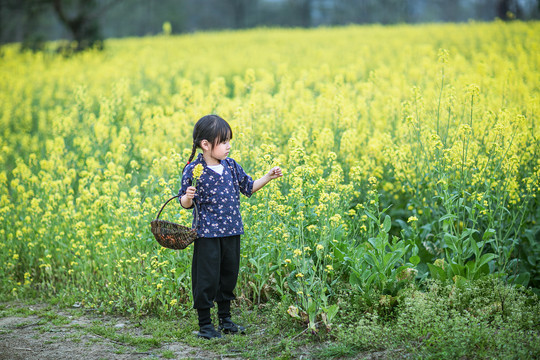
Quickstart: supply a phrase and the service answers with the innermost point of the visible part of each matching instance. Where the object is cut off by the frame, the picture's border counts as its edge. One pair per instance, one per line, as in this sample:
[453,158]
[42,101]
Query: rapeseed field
[409,153]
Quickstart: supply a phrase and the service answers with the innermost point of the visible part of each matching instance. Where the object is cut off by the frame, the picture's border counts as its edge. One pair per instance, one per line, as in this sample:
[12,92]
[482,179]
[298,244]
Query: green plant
[379,268]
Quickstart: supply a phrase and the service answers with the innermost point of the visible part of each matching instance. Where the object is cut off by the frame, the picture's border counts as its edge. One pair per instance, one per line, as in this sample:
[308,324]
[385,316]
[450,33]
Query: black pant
[214,270]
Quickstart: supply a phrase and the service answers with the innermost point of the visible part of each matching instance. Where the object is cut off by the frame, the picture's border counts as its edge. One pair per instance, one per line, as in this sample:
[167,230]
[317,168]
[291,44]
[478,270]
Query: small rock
[119,326]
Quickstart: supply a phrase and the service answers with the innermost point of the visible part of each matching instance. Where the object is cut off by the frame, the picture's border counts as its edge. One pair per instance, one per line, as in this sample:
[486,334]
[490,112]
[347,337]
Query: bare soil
[40,331]
[30,337]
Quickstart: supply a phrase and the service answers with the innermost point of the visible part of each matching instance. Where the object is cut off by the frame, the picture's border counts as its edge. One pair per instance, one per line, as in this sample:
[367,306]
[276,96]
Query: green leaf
[474,247]
[339,255]
[332,311]
[468,233]
[450,241]
[394,259]
[370,279]
[436,272]
[448,217]
[365,275]
[387,224]
[387,259]
[369,215]
[371,259]
[354,279]
[374,242]
[486,258]
[470,271]
[387,208]
[460,281]
[449,238]
[254,263]
[488,234]
[521,279]
[457,269]
[483,270]
[293,283]
[415,260]
[312,307]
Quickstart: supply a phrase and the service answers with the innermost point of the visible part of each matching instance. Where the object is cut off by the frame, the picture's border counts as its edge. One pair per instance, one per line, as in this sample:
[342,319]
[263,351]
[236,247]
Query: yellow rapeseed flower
[197,172]
[94,174]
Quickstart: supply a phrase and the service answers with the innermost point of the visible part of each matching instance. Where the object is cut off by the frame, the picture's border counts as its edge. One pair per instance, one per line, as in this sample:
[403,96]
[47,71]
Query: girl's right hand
[187,199]
[190,192]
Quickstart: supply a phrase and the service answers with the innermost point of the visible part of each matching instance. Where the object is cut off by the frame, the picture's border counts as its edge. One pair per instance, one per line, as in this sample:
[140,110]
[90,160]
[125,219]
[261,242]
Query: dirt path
[35,332]
[45,332]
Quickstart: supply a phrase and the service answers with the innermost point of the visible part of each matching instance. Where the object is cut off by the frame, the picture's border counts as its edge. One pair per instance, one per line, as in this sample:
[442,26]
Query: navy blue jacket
[218,197]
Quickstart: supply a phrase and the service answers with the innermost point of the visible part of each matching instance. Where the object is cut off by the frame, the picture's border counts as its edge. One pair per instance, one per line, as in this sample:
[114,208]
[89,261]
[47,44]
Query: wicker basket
[171,235]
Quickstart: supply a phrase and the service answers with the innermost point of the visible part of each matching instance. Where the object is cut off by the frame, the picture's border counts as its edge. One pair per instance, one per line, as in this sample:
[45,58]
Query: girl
[216,253]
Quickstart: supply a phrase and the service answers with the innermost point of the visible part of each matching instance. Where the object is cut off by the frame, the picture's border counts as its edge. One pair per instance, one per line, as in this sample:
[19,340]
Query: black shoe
[228,327]
[208,332]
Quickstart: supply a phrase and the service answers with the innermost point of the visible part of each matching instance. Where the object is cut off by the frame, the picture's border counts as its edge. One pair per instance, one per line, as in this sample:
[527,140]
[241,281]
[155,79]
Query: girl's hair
[211,128]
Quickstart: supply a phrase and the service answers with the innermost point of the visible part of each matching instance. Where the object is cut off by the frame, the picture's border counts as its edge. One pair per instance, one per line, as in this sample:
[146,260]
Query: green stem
[440,95]
[471,118]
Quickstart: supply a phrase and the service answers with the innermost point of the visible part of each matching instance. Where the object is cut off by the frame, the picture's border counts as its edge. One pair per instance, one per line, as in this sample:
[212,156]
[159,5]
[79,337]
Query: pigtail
[193,151]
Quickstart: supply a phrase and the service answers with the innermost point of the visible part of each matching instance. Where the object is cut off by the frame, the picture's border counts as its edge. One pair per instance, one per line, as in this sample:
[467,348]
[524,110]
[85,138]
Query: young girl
[216,253]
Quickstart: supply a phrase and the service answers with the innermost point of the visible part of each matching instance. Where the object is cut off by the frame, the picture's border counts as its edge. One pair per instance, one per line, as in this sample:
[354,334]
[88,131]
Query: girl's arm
[272,174]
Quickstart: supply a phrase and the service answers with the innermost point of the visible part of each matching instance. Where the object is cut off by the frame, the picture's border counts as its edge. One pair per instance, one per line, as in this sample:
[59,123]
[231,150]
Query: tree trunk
[239,12]
[305,13]
[509,10]
[84,26]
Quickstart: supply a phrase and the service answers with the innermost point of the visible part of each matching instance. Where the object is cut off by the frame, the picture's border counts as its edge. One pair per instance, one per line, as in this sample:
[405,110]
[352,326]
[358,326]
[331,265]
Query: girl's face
[214,153]
[221,150]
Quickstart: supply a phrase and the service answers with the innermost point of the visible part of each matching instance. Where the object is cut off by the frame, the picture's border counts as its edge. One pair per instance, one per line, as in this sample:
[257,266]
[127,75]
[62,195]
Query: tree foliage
[87,22]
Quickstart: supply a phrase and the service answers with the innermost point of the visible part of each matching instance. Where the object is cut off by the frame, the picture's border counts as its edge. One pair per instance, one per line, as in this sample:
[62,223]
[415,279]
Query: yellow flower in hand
[197,172]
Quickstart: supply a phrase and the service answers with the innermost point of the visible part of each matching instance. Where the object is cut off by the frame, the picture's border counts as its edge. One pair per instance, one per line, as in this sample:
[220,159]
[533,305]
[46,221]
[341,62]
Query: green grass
[440,321]
[480,319]
[168,354]
[140,342]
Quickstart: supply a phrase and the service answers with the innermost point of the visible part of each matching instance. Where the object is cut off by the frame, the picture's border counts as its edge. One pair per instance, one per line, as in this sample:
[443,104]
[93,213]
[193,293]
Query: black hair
[211,128]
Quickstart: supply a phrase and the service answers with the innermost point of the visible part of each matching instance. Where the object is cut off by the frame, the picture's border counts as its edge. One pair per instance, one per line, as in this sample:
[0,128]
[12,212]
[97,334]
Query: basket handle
[194,203]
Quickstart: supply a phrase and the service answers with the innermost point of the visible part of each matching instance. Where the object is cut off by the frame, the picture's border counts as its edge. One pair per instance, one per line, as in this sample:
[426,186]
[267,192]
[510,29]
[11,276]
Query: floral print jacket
[218,197]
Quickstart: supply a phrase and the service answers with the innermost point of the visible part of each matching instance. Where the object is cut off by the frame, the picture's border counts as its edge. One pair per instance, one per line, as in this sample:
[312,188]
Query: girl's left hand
[274,173]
